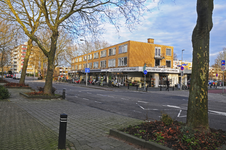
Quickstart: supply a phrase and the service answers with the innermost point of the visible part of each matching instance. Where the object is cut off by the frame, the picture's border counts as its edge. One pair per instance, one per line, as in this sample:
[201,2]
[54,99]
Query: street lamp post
[181,70]
[86,58]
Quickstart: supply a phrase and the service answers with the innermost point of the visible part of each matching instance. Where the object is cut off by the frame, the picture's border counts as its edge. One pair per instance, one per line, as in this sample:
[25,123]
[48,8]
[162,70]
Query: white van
[18,75]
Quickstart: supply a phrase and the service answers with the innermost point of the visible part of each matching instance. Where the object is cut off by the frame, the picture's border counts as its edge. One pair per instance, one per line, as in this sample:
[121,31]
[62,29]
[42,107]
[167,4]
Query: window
[157,51]
[168,63]
[95,65]
[168,52]
[80,59]
[76,67]
[96,55]
[84,66]
[76,60]
[111,63]
[103,53]
[24,46]
[157,62]
[122,49]
[80,66]
[122,61]
[84,58]
[90,65]
[103,64]
[112,51]
[89,56]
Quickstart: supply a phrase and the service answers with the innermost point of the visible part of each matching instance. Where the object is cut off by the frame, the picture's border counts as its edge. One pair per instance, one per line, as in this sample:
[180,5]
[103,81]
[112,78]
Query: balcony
[159,57]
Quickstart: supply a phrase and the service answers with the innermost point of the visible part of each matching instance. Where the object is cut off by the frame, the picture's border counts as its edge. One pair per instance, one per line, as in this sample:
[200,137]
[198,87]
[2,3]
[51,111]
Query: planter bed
[42,96]
[18,87]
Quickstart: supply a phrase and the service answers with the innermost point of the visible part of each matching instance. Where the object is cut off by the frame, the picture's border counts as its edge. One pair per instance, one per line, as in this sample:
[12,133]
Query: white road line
[89,93]
[218,112]
[145,108]
[172,106]
[142,102]
[179,113]
[98,102]
[76,96]
[111,96]
[85,99]
[136,111]
[124,98]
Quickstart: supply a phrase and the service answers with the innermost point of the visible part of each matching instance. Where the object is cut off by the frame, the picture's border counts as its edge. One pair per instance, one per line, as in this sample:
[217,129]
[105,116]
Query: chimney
[151,41]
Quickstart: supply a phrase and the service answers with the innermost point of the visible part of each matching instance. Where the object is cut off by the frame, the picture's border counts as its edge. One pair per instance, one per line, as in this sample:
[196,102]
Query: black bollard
[160,88]
[173,88]
[137,87]
[128,85]
[146,88]
[62,131]
[118,85]
[63,96]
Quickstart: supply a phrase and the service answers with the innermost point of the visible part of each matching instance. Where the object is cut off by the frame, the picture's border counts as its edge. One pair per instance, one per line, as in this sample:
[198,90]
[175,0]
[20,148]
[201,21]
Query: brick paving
[87,127]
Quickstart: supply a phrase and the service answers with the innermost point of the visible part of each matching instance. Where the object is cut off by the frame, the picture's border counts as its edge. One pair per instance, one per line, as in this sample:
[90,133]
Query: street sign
[181,68]
[87,70]
[145,72]
[223,68]
[184,64]
[222,62]
[216,75]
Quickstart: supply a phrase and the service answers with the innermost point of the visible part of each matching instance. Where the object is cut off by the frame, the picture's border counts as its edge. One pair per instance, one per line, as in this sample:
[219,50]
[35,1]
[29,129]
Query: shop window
[90,65]
[96,55]
[103,64]
[103,53]
[122,61]
[95,65]
[168,52]
[112,51]
[111,63]
[122,49]
[157,62]
[157,51]
[168,63]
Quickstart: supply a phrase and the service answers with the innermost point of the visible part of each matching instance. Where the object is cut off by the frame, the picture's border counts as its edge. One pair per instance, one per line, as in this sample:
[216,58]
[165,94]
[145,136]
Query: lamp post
[86,57]
[181,70]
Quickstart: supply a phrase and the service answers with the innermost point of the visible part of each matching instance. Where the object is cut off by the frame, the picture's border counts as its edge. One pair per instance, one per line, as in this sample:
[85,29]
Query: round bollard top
[63,115]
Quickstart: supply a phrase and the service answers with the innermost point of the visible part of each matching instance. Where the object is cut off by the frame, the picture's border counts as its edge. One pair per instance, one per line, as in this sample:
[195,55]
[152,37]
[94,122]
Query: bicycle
[184,87]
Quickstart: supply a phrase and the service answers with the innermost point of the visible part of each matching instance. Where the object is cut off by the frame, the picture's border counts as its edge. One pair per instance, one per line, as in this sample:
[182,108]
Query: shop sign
[127,69]
[162,70]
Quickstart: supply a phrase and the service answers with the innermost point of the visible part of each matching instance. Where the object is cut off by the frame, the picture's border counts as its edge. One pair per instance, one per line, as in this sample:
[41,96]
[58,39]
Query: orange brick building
[124,62]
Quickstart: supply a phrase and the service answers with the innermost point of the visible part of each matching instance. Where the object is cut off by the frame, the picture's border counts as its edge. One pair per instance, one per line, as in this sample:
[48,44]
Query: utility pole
[86,58]
[181,70]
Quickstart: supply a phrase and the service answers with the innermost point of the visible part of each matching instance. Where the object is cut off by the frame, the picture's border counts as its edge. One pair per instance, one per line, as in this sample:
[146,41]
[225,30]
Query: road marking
[142,102]
[98,102]
[172,106]
[85,99]
[145,108]
[89,93]
[124,98]
[136,111]
[101,95]
[111,96]
[179,116]
[218,112]
[76,96]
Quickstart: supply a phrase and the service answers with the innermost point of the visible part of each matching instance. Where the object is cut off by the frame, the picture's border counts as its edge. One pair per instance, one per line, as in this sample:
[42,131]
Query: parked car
[18,75]
[210,82]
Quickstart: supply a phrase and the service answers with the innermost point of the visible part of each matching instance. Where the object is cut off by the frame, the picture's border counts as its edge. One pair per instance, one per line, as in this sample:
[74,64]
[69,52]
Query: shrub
[4,93]
[166,119]
[16,85]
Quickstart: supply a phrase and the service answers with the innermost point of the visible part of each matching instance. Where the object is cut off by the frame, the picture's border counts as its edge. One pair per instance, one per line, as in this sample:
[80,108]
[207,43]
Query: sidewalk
[34,124]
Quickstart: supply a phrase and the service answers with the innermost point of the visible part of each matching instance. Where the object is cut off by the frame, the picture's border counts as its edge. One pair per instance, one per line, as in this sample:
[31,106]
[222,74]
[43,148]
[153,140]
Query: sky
[171,23]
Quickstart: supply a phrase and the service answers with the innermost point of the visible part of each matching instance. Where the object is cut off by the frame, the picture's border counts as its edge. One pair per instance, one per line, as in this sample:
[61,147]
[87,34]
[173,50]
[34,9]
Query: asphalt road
[140,105]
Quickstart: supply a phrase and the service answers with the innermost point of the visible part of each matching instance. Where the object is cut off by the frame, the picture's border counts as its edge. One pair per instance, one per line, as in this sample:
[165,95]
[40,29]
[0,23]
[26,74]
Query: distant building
[62,71]
[124,62]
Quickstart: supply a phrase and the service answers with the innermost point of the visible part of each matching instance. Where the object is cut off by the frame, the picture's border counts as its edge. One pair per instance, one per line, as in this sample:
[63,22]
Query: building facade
[124,62]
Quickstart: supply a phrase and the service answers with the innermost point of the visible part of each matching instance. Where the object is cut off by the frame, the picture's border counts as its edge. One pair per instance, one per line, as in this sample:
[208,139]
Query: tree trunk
[2,66]
[26,59]
[50,69]
[197,113]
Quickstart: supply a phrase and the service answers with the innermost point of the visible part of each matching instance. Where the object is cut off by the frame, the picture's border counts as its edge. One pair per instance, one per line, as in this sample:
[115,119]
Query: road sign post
[223,69]
[181,68]
[145,72]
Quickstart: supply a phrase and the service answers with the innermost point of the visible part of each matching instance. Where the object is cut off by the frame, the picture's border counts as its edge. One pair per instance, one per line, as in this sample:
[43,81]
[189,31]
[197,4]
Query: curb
[41,97]
[12,87]
[137,141]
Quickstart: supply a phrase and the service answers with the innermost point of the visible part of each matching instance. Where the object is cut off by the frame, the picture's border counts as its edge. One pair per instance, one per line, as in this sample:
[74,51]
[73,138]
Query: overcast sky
[171,23]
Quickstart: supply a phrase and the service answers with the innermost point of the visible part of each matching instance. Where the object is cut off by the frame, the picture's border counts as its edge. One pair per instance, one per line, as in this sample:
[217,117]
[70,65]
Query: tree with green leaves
[197,113]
